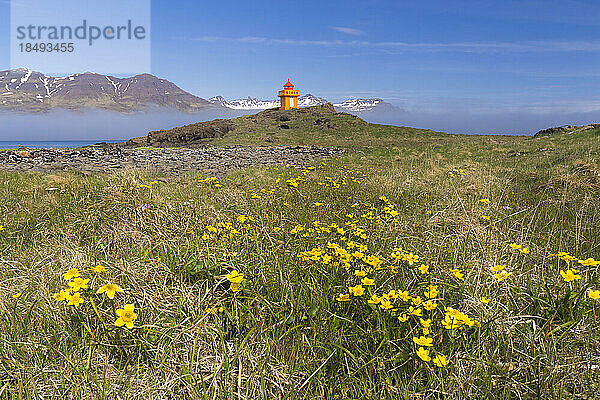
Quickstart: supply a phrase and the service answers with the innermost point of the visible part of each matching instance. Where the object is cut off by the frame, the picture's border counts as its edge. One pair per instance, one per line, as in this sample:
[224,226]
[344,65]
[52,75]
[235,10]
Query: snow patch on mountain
[249,103]
[359,105]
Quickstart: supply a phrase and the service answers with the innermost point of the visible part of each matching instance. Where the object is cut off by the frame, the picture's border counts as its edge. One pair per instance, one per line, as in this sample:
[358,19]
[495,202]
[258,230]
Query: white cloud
[467,47]
[347,30]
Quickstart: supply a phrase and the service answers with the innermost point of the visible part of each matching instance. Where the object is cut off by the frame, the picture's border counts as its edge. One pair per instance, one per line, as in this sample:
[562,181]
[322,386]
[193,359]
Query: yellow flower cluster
[572,274]
[78,290]
[456,173]
[148,186]
[519,247]
[419,304]
[402,286]
[212,181]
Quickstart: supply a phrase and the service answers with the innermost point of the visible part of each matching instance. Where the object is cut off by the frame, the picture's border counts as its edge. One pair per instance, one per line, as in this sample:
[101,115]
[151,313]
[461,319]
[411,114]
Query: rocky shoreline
[172,161]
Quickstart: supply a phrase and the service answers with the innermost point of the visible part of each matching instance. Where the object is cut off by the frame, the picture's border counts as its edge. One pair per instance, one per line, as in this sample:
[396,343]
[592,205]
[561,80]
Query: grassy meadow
[422,266]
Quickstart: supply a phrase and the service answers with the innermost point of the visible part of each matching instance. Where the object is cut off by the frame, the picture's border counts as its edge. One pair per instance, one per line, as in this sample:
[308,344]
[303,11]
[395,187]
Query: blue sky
[481,60]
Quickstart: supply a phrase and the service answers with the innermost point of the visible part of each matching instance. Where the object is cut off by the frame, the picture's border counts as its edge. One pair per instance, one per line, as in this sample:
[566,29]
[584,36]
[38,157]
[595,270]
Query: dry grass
[284,335]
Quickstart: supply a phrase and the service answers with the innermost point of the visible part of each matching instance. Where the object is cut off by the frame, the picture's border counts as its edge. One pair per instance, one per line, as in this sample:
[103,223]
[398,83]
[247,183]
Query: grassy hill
[320,125]
[335,300]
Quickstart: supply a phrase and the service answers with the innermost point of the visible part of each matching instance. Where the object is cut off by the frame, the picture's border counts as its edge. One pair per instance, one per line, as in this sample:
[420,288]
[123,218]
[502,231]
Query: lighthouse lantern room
[288,96]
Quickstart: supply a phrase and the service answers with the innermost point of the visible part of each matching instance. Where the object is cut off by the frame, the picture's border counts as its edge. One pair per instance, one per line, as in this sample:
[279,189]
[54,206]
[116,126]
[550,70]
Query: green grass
[284,334]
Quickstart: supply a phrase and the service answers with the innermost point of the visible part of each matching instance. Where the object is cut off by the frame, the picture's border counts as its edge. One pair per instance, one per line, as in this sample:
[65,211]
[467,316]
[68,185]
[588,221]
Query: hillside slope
[317,125]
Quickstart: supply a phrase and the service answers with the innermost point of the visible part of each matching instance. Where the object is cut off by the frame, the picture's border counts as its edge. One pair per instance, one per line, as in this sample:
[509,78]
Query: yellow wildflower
[568,258]
[126,316]
[590,262]
[497,268]
[484,201]
[70,274]
[423,341]
[374,299]
[484,300]
[98,268]
[78,284]
[432,291]
[424,268]
[457,273]
[440,360]
[417,312]
[423,354]
[594,294]
[110,289]
[235,277]
[357,290]
[343,297]
[417,300]
[570,275]
[367,282]
[360,273]
[404,295]
[61,296]
[412,258]
[500,276]
[429,305]
[451,323]
[75,300]
[386,304]
[17,296]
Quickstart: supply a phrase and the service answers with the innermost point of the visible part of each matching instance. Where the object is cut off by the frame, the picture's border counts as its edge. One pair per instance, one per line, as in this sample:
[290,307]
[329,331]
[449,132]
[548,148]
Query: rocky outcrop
[189,135]
[565,129]
[209,160]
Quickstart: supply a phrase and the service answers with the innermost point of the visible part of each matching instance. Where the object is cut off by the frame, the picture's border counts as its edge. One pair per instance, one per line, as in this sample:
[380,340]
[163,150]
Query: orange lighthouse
[288,96]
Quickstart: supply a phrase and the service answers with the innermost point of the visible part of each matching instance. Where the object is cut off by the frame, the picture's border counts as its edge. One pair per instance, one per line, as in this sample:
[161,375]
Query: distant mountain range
[307,100]
[25,90]
[31,91]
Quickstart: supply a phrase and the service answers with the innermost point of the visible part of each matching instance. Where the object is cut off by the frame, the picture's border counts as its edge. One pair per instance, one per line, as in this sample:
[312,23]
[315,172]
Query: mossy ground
[284,334]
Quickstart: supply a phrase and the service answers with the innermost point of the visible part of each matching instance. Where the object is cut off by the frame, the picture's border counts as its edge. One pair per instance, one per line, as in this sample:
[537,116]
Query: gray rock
[213,160]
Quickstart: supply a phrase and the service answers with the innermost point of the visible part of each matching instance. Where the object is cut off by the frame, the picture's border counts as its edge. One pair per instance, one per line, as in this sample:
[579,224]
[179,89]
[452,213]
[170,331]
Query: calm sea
[52,144]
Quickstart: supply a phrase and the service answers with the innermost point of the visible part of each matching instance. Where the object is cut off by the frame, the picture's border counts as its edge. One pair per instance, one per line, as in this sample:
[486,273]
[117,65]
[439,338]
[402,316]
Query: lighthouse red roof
[288,84]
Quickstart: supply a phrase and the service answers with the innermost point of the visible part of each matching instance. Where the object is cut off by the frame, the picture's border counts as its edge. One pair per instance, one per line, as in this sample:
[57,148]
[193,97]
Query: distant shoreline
[51,144]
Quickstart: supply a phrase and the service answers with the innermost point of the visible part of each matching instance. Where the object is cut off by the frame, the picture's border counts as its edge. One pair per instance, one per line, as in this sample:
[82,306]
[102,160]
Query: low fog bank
[97,125]
[94,124]
[505,123]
